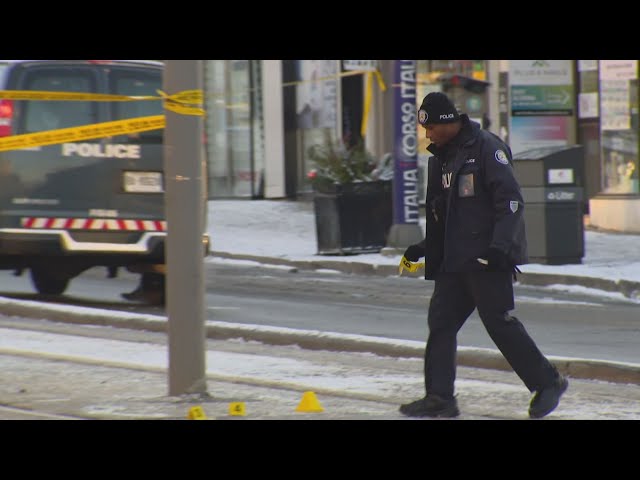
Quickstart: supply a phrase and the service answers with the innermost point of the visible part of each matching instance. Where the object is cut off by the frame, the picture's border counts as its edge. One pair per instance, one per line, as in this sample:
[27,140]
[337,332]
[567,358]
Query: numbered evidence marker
[237,409]
[196,413]
[409,266]
[309,403]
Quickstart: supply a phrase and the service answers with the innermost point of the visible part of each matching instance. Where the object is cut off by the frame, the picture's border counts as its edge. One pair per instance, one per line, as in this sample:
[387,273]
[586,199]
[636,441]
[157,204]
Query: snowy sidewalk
[51,375]
[284,232]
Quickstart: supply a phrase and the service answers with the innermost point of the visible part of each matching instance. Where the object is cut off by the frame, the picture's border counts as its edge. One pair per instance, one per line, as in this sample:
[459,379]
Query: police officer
[150,289]
[475,238]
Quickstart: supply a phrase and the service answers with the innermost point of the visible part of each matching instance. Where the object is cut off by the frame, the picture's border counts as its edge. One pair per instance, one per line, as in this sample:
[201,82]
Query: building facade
[263,115]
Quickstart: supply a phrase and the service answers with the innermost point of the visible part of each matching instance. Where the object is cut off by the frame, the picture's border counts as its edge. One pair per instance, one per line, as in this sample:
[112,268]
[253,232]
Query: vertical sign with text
[405,177]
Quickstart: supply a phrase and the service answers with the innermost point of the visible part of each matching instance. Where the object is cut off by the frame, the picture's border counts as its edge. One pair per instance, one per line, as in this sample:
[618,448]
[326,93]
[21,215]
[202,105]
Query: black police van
[68,207]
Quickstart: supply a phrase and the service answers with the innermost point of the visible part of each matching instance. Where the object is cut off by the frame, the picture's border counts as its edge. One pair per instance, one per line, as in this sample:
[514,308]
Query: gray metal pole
[184,205]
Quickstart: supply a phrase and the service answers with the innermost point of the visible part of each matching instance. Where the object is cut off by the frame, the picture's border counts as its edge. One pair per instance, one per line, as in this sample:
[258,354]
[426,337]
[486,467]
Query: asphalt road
[562,323]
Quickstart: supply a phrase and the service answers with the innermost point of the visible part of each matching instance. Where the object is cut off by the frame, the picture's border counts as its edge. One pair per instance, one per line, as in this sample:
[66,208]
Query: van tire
[47,282]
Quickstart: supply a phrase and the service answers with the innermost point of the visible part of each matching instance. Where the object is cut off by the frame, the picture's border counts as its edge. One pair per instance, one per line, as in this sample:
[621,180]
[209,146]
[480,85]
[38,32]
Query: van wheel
[47,282]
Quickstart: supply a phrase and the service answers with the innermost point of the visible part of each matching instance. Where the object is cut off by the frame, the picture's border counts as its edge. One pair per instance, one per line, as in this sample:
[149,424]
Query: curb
[615,372]
[628,288]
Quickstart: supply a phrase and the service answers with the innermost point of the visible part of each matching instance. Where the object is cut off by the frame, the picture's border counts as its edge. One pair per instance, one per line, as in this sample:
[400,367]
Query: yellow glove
[409,266]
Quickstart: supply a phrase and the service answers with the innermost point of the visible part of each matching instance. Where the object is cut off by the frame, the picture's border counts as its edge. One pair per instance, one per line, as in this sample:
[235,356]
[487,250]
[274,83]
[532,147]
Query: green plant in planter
[336,164]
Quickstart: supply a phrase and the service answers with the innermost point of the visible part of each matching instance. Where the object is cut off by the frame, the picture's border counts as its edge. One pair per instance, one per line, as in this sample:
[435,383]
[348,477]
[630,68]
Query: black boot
[150,290]
[546,400]
[431,406]
[134,295]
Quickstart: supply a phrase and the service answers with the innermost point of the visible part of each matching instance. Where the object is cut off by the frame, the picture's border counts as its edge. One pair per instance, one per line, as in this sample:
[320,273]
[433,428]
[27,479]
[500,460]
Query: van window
[135,82]
[39,116]
[3,69]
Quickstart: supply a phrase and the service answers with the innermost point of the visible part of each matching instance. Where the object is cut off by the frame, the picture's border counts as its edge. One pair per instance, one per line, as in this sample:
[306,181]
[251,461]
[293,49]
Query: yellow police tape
[86,132]
[187,102]
[183,109]
[368,91]
[409,266]
[368,96]
[193,97]
[325,78]
[70,96]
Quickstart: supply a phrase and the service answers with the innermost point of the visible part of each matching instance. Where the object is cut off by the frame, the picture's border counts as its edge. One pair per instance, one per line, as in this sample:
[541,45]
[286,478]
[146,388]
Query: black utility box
[551,179]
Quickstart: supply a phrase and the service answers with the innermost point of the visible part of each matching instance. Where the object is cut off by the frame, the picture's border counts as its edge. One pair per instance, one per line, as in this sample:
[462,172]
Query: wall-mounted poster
[316,93]
[542,103]
[538,132]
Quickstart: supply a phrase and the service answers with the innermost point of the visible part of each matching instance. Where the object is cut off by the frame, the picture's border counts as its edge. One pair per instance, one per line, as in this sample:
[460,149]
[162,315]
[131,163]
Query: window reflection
[233,127]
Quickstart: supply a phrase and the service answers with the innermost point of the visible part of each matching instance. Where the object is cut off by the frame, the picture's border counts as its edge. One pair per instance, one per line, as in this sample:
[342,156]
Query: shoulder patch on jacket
[501,157]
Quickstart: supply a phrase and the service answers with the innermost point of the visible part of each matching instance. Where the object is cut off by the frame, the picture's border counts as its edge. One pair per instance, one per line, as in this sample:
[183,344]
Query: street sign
[365,65]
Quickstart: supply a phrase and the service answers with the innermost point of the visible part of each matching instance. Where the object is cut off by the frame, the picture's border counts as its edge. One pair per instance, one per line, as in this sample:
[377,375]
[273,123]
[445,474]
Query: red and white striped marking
[54,223]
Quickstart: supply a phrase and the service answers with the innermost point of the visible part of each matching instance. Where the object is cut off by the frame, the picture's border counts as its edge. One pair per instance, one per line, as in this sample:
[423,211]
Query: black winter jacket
[484,207]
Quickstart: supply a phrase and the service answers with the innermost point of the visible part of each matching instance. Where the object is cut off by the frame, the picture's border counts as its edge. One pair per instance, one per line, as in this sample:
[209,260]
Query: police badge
[423,116]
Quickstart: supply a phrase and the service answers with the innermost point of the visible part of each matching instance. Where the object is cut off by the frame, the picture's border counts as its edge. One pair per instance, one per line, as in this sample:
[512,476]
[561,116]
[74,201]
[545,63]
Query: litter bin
[551,179]
[353,217]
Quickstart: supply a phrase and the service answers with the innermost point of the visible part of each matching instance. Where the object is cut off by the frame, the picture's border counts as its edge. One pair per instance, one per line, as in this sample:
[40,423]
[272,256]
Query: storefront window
[233,128]
[316,109]
[619,126]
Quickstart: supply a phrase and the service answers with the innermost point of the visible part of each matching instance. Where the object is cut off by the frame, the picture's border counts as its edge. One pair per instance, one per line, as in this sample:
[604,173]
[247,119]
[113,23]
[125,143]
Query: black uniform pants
[455,297]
